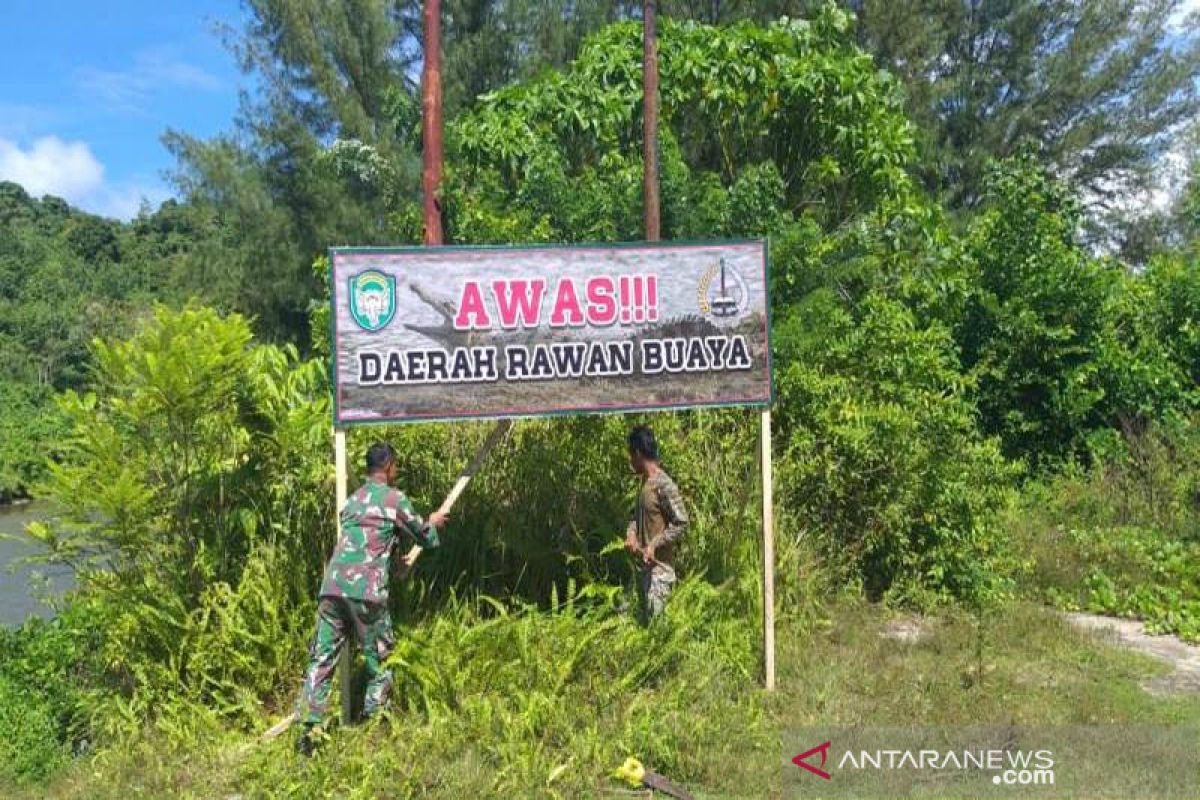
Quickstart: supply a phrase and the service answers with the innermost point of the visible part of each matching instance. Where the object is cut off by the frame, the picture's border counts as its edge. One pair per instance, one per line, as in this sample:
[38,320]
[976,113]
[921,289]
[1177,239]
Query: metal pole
[431,122]
[650,120]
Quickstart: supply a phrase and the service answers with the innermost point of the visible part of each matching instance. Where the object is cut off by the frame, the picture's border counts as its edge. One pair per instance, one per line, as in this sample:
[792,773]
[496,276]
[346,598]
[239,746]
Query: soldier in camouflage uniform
[659,521]
[354,592]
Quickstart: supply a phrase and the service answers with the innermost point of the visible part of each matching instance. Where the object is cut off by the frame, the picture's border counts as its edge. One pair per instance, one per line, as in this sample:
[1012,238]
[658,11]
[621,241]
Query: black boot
[306,744]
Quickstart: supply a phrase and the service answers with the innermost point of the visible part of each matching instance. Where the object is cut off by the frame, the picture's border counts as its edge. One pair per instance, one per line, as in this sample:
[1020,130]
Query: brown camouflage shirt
[371,521]
[659,518]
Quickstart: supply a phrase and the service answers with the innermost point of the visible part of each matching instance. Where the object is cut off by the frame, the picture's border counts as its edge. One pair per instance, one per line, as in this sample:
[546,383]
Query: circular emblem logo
[372,299]
[722,294]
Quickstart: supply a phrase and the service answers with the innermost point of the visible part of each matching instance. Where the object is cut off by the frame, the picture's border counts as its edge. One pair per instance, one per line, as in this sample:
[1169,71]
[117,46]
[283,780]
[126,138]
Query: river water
[18,599]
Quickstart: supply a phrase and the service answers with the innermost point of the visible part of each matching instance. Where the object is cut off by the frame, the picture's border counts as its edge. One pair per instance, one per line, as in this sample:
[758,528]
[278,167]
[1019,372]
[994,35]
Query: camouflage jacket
[371,521]
[659,518]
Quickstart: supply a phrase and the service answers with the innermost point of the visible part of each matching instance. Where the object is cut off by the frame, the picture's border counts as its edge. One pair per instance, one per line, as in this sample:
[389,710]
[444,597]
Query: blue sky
[89,88]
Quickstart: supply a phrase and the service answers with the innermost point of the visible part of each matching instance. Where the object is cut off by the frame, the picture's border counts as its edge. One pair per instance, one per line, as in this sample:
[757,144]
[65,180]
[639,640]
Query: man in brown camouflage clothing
[354,592]
[659,521]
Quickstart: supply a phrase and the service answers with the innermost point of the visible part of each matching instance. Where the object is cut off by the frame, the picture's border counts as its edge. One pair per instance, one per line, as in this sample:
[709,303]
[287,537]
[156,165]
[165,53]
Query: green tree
[65,276]
[264,200]
[489,43]
[884,463]
[191,502]
[1186,213]
[1060,343]
[1173,306]
[1100,87]
[789,131]
[759,125]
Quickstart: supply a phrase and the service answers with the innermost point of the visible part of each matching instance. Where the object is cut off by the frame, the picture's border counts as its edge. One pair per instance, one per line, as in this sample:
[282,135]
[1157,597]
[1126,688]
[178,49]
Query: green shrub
[883,464]
[1059,343]
[29,429]
[1121,537]
[30,745]
[504,699]
[190,502]
[53,664]
[198,472]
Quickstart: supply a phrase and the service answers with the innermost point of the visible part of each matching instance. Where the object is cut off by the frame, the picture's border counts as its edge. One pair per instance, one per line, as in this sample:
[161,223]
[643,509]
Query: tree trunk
[650,120]
[431,122]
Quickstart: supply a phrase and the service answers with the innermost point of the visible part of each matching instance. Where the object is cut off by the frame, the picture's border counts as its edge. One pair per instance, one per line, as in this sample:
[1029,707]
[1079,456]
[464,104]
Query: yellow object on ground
[631,772]
[637,776]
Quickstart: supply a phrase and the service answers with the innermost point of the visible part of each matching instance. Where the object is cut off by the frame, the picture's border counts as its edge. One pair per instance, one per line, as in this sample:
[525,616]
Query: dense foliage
[1100,93]
[759,125]
[66,277]
[1061,343]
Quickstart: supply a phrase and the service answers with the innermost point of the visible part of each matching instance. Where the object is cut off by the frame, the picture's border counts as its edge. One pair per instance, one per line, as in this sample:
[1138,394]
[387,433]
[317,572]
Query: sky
[90,87]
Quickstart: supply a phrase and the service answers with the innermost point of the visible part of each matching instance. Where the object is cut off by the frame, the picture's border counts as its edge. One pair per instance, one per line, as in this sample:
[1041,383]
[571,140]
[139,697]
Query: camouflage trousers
[337,618]
[655,583]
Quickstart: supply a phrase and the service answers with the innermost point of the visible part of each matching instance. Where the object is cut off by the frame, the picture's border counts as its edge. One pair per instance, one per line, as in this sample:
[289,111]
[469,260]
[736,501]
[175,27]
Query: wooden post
[347,668]
[768,525]
[650,121]
[431,122]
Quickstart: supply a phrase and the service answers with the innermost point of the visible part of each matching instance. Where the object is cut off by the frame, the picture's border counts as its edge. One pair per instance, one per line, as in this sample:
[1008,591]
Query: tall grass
[497,699]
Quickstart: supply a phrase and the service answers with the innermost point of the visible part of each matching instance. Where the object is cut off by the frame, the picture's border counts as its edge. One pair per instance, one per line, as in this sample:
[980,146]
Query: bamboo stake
[499,432]
[768,526]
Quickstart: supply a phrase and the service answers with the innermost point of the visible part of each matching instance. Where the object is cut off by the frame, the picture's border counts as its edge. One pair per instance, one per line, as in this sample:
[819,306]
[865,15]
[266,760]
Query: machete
[499,432]
[638,776]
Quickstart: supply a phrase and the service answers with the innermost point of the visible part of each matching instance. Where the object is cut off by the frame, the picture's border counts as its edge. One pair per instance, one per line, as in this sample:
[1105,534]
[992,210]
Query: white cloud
[71,171]
[123,201]
[52,166]
[154,70]
[1180,18]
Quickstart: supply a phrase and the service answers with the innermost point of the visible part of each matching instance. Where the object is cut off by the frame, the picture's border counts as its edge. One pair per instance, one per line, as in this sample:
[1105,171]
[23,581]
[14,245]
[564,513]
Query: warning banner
[444,333]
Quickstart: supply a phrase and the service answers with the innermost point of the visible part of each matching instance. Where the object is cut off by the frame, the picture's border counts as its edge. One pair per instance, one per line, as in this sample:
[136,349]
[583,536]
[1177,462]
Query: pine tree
[1101,86]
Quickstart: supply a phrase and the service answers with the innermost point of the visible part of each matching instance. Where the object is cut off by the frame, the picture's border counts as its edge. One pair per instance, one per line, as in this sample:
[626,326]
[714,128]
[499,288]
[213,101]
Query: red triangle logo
[823,749]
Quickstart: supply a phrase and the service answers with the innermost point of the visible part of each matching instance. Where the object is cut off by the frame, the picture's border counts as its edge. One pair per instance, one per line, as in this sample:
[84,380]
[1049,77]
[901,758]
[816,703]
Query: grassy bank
[546,704]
